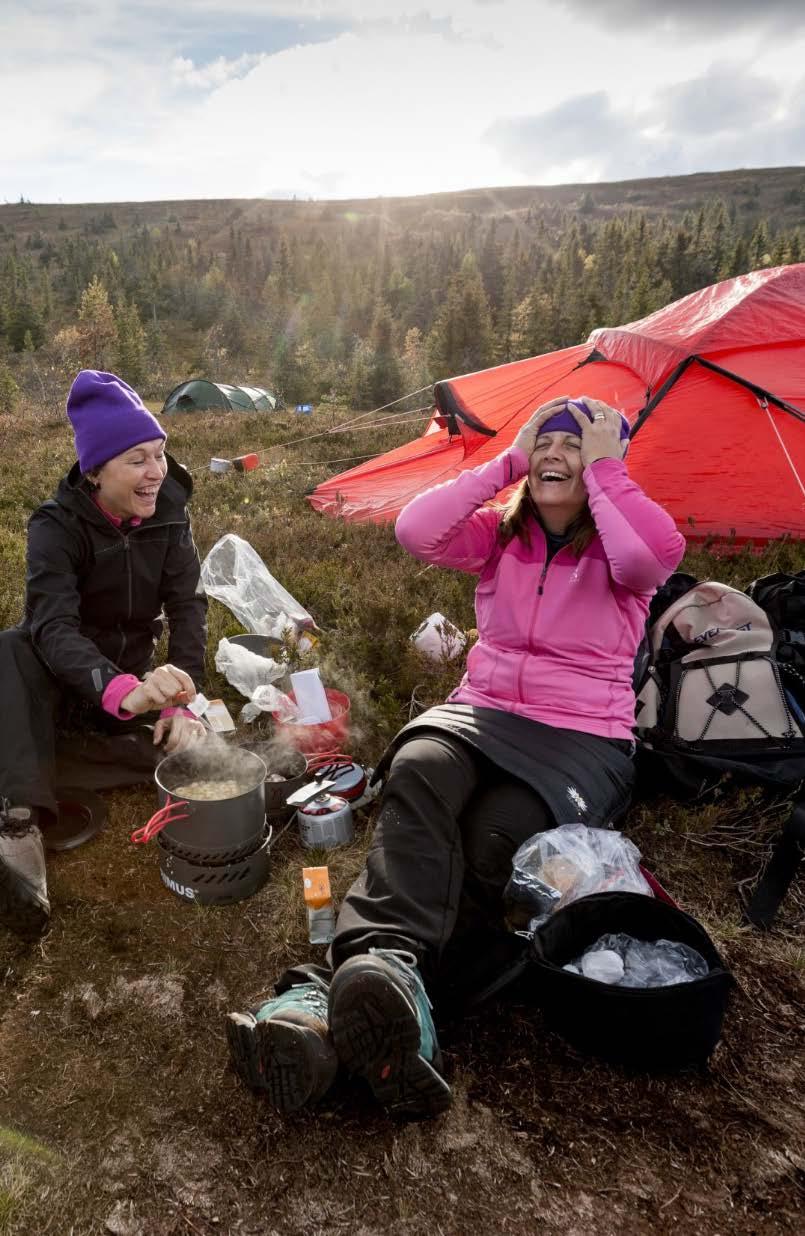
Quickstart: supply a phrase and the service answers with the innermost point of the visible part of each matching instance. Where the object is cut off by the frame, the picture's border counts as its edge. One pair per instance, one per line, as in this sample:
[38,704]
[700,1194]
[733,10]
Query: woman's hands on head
[528,433]
[165,687]
[601,436]
[178,731]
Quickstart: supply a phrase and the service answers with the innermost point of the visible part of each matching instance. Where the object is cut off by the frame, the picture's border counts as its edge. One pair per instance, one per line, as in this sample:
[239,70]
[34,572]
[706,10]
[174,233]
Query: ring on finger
[599,416]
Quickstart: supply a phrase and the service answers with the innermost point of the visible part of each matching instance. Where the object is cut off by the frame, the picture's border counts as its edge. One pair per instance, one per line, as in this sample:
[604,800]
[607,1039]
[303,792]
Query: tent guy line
[764,403]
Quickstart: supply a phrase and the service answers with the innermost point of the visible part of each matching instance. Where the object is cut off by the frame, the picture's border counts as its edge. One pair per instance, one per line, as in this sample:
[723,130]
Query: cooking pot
[212,830]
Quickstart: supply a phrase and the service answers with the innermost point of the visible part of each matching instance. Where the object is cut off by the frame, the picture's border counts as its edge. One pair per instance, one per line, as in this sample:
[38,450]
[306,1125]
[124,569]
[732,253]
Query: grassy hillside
[118,1113]
[763,191]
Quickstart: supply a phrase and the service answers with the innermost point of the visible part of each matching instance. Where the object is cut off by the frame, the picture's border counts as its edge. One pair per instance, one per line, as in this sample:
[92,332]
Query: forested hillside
[361,302]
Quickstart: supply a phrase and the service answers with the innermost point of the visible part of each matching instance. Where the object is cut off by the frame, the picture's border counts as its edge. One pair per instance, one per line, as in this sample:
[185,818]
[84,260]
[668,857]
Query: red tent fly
[713,385]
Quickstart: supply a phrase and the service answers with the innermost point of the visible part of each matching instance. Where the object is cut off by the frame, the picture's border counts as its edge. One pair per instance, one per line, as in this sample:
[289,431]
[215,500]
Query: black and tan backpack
[720,696]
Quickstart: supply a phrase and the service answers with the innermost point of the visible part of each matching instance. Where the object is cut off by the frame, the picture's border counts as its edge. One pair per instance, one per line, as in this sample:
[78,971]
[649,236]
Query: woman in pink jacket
[538,733]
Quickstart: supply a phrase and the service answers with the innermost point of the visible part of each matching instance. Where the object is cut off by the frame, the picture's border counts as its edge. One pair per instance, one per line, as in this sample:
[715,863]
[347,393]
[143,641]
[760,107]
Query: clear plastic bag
[622,961]
[560,865]
[254,677]
[235,574]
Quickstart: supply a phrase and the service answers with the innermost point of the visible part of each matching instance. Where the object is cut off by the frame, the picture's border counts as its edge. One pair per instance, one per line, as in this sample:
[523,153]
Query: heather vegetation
[118,1112]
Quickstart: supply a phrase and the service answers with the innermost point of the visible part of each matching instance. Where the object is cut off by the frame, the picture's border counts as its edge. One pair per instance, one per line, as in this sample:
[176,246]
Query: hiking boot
[283,1048]
[24,904]
[383,1031]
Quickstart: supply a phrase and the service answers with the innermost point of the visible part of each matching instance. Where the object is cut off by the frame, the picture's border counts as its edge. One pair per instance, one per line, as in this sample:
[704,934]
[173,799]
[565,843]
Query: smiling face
[554,478]
[129,483]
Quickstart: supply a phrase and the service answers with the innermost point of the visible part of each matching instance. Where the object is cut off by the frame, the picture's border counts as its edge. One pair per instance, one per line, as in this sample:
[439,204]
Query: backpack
[716,698]
[782,596]
[723,693]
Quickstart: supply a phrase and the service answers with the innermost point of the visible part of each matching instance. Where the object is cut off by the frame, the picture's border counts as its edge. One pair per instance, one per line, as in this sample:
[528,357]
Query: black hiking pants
[50,740]
[438,863]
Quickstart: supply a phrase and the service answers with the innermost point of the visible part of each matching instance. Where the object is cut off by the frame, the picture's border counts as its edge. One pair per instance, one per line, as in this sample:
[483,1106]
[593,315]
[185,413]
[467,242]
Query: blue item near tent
[304,407]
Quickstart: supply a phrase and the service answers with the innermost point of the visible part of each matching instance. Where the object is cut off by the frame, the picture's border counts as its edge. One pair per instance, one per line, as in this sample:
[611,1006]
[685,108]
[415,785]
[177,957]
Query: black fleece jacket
[96,594]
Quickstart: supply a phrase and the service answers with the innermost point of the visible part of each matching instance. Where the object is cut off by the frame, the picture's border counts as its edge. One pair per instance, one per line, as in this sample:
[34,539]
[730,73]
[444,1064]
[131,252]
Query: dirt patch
[114,1071]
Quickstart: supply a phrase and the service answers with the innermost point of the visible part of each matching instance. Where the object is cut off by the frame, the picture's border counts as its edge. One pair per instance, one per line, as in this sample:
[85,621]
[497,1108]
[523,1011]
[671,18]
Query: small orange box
[316,882]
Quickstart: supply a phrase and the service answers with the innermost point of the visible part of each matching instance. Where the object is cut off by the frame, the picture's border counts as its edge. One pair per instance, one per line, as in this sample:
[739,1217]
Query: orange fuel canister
[246,463]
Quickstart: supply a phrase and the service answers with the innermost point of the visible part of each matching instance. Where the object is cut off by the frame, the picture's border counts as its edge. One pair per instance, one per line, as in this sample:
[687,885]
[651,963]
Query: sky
[108,100]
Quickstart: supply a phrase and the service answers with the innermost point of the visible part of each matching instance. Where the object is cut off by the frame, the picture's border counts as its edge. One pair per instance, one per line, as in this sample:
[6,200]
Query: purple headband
[565,422]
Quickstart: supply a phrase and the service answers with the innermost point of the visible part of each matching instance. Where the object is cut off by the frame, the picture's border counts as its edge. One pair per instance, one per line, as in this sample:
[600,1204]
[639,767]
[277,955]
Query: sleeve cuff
[603,465]
[519,459]
[115,692]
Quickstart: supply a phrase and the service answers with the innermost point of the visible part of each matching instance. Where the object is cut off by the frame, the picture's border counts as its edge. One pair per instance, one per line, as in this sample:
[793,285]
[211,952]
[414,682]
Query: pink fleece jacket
[555,643]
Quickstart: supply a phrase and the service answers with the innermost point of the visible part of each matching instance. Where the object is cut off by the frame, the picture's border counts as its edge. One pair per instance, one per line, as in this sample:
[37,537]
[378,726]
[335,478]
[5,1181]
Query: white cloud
[209,76]
[344,98]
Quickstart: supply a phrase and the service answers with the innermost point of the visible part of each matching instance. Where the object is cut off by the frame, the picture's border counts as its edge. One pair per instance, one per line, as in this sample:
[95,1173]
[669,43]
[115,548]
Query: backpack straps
[783,865]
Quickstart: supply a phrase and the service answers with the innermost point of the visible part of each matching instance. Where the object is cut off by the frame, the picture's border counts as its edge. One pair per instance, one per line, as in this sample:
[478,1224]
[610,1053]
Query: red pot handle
[169,813]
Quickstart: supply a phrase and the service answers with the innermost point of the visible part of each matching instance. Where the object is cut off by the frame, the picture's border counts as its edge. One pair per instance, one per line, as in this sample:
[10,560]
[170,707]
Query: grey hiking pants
[439,859]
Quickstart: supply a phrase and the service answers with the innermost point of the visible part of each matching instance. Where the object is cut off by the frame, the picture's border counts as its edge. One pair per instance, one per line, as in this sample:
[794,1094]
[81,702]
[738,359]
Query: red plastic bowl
[326,735]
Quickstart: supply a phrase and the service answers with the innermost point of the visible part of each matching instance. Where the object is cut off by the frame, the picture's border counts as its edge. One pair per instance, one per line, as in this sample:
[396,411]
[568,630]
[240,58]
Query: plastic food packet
[623,961]
[561,865]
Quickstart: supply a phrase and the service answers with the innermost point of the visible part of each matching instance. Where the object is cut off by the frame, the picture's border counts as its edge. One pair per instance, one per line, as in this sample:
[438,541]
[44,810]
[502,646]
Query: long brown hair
[521,509]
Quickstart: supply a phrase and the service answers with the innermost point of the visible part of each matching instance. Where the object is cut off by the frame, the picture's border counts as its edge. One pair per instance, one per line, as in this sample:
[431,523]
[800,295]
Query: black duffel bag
[651,1028]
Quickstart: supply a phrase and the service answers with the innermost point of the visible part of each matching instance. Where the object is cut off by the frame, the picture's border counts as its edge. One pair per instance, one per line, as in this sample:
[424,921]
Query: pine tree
[462,340]
[9,391]
[130,351]
[25,320]
[414,362]
[96,327]
[385,379]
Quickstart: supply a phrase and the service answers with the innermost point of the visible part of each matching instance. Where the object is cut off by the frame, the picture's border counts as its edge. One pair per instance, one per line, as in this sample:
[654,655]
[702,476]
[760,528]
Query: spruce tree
[385,380]
[462,339]
[9,391]
[130,351]
[97,330]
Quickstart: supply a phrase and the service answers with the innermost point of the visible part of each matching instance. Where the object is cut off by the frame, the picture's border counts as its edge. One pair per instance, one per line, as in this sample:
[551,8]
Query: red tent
[714,386]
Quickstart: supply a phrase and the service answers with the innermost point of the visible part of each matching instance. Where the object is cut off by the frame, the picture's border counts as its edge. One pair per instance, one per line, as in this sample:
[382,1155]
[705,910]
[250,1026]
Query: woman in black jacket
[107,558]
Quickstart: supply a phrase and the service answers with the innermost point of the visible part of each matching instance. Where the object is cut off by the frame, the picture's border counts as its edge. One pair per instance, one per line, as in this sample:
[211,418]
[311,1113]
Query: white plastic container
[311,699]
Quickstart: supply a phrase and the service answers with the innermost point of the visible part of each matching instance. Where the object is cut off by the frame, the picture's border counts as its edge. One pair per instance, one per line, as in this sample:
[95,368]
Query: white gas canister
[325,822]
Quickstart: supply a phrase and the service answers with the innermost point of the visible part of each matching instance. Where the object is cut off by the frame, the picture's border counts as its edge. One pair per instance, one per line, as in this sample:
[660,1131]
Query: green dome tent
[199,395]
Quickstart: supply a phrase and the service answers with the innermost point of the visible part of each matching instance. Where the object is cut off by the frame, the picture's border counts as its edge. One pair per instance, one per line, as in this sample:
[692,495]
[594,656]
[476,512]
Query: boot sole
[376,1034]
[24,915]
[277,1059]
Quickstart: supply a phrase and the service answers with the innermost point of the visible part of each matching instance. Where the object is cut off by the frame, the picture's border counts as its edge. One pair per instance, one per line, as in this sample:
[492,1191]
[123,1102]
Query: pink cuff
[182,712]
[115,692]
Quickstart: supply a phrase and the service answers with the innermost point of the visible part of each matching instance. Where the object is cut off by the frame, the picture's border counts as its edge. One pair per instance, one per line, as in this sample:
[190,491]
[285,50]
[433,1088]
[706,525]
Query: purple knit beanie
[565,421]
[108,417]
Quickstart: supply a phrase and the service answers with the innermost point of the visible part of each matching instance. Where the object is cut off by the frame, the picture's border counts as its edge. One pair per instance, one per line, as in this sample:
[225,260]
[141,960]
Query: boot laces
[405,963]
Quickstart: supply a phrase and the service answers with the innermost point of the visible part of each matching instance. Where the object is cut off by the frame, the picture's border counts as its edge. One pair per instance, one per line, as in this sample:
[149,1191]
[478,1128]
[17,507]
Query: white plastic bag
[623,961]
[561,865]
[438,638]
[235,574]
[253,676]
[270,699]
[245,669]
